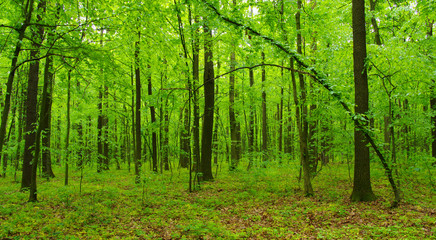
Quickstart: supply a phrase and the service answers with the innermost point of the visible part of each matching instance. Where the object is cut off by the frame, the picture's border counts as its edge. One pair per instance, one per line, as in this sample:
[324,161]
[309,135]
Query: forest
[217,119]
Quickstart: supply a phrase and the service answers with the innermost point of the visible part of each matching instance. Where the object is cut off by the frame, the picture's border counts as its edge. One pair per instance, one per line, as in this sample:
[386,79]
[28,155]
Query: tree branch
[321,79]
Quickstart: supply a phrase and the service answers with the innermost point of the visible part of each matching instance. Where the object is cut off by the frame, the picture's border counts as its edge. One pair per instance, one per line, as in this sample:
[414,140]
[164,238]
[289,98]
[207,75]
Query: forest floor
[264,203]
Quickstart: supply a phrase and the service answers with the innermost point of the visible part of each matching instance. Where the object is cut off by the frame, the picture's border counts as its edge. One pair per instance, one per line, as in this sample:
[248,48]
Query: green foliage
[262,203]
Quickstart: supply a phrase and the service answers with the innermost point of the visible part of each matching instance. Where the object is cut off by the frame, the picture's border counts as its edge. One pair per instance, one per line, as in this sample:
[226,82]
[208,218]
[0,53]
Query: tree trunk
[185,112]
[196,108]
[138,113]
[432,101]
[105,128]
[304,125]
[251,112]
[362,190]
[264,115]
[38,37]
[209,102]
[153,120]
[67,135]
[30,166]
[46,112]
[235,133]
[377,38]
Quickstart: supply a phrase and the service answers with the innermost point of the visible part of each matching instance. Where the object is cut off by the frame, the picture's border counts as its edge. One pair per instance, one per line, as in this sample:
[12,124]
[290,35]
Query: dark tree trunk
[251,112]
[264,115]
[105,129]
[100,136]
[377,38]
[235,133]
[38,37]
[67,135]
[46,117]
[235,129]
[138,114]
[432,102]
[166,141]
[304,128]
[30,166]
[153,120]
[185,112]
[185,138]
[196,108]
[362,190]
[133,139]
[209,102]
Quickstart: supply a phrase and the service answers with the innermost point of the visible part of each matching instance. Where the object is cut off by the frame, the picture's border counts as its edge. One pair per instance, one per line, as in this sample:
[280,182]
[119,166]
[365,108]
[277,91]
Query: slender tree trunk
[67,135]
[100,132]
[209,102]
[46,112]
[313,125]
[138,113]
[264,115]
[362,190]
[215,144]
[377,38]
[105,126]
[235,133]
[304,128]
[251,112]
[432,101]
[185,112]
[153,120]
[133,150]
[196,108]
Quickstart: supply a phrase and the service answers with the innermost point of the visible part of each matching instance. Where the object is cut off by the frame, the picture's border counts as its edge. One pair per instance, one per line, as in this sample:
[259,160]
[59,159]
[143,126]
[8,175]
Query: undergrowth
[263,203]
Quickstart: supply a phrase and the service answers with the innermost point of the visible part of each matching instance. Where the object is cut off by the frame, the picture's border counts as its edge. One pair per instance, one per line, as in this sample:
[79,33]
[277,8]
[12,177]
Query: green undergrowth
[263,203]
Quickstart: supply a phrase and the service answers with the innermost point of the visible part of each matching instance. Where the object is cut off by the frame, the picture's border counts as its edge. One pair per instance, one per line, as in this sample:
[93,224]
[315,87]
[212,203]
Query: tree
[29,166]
[362,190]
[235,129]
[138,112]
[153,120]
[304,127]
[209,102]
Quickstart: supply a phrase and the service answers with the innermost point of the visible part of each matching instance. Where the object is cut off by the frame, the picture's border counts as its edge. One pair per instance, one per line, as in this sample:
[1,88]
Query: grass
[260,204]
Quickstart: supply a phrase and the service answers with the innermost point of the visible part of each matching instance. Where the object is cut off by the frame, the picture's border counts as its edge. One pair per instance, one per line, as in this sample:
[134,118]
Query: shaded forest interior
[310,101]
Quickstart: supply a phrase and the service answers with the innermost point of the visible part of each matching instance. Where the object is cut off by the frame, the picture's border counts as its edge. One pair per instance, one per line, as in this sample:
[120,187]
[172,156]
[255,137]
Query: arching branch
[321,79]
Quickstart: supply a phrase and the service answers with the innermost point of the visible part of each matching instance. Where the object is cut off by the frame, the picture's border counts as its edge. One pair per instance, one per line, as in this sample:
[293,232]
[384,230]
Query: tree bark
[264,115]
[196,108]
[105,122]
[209,102]
[29,166]
[235,133]
[362,190]
[46,111]
[432,101]
[67,135]
[153,120]
[100,136]
[138,113]
[308,190]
